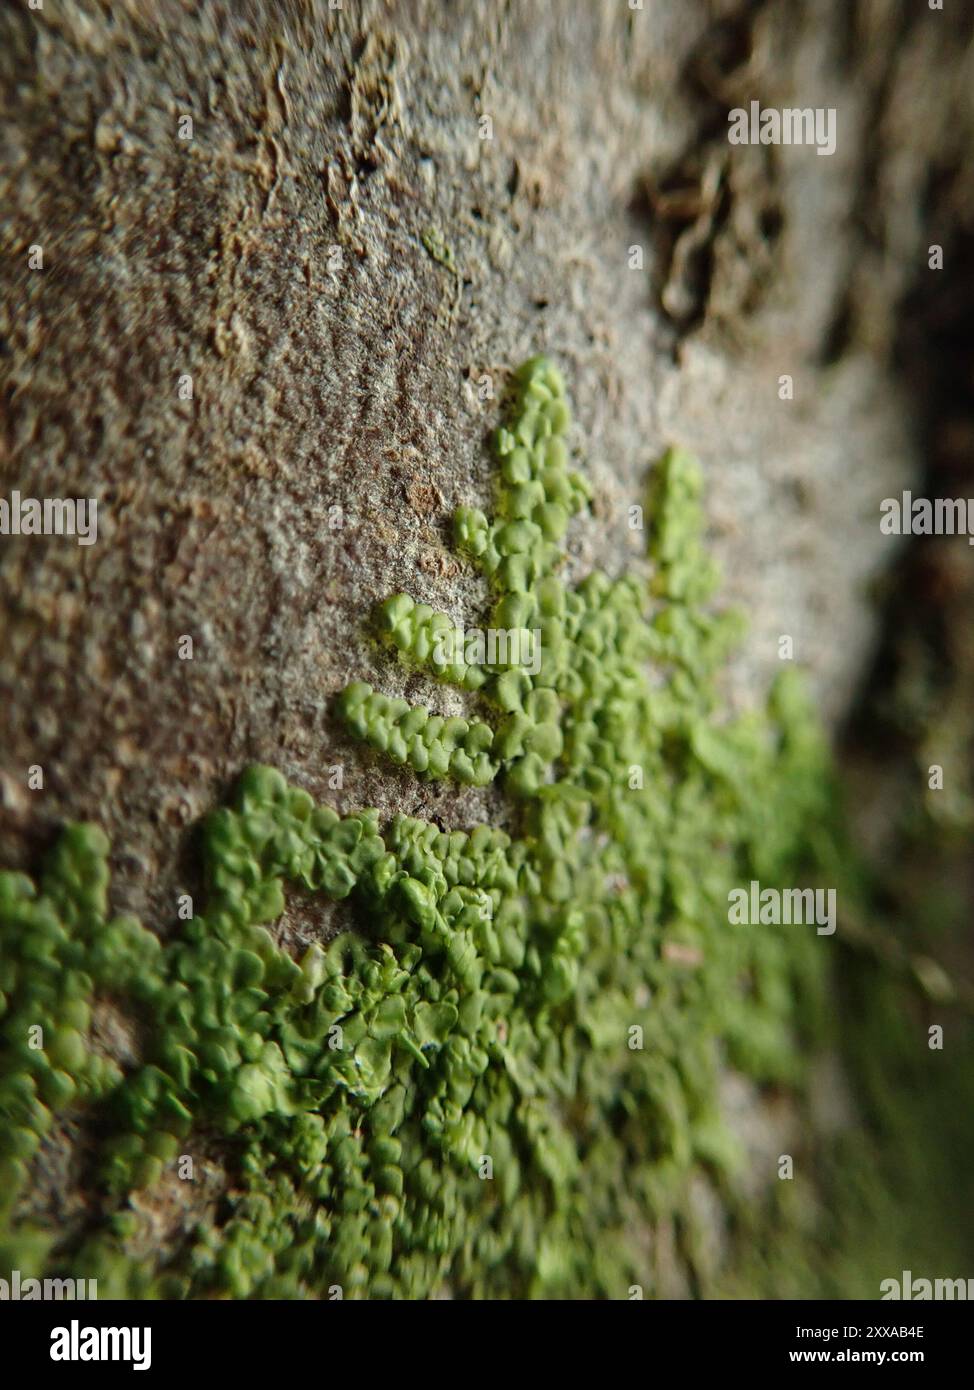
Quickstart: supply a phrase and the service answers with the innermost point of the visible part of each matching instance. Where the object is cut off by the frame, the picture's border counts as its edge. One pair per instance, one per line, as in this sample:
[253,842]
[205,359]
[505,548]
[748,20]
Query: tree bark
[342,227]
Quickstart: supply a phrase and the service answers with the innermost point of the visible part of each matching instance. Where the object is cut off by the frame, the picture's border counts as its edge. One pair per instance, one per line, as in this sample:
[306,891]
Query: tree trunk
[289,256]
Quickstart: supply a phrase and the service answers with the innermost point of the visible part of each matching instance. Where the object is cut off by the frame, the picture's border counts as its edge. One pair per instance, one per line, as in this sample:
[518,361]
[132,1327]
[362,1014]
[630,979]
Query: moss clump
[510,1070]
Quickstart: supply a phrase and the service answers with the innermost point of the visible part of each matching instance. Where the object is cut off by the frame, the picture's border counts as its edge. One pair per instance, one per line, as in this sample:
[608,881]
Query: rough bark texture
[381,206]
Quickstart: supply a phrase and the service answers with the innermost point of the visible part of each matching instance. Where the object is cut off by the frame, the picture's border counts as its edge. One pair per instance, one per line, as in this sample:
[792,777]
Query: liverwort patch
[452,1094]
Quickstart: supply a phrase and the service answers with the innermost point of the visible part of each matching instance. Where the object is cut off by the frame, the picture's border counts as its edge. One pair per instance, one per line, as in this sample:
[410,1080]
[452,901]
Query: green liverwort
[507,1071]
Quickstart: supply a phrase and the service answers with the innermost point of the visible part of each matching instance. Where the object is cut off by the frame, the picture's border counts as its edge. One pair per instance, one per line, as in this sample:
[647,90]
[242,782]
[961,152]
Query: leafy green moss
[509,1070]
